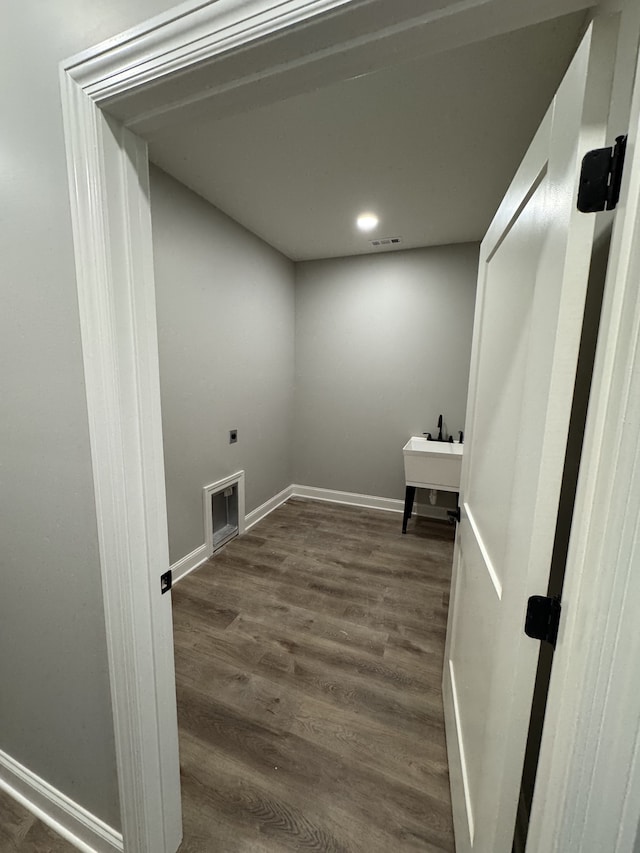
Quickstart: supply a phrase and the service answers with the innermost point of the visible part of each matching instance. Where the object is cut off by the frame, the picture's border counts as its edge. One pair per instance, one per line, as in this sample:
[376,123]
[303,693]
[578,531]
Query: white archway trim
[131,76]
[112,237]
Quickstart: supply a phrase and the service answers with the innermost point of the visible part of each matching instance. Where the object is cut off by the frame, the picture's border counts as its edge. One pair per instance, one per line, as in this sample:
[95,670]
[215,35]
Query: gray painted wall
[383,344]
[225,303]
[55,706]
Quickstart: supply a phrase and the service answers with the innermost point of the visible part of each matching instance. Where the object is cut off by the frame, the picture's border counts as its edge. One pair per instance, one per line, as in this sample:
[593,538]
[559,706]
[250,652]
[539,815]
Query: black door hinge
[166,582]
[543,618]
[601,177]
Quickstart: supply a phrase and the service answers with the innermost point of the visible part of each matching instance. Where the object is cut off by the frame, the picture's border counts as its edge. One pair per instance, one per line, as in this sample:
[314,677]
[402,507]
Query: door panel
[532,280]
[494,443]
[476,592]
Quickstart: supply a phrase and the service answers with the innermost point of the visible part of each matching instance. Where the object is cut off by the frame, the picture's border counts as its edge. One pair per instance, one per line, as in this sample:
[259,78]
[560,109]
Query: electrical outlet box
[233,436]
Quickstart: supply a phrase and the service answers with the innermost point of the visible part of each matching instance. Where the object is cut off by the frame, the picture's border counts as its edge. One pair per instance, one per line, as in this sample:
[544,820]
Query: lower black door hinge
[543,618]
[166,582]
[601,177]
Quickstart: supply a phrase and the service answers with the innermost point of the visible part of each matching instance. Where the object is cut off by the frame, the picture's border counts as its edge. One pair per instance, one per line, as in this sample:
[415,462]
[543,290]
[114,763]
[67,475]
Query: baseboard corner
[267,507]
[348,498]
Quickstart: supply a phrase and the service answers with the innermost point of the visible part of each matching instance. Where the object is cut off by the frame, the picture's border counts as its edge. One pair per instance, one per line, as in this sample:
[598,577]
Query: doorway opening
[110,397]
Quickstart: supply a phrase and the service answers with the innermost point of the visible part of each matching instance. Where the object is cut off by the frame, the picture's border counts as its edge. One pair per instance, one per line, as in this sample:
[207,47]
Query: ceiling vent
[386,241]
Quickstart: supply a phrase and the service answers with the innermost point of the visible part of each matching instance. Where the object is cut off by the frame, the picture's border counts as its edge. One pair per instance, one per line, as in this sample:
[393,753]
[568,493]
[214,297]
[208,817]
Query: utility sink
[432,464]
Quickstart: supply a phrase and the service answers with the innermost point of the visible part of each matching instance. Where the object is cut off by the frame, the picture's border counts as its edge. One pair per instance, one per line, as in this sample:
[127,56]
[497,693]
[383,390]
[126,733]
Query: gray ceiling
[430,145]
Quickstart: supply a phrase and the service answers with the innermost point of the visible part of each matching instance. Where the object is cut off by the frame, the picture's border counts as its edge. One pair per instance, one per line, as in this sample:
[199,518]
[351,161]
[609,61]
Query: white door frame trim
[108,181]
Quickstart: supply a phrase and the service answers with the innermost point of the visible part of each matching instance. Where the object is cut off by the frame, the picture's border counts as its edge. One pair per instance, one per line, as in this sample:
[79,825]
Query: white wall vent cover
[386,241]
[223,506]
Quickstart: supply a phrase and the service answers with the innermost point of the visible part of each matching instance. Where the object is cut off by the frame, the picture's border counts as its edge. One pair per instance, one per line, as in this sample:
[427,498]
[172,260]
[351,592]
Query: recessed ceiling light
[367,221]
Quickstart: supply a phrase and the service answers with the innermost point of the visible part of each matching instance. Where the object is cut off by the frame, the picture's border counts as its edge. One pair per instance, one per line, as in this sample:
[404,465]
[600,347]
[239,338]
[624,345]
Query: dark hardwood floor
[309,661]
[308,664]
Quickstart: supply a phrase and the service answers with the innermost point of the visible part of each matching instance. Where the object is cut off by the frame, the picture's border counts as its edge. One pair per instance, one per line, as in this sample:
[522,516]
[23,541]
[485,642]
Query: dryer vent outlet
[224,511]
[224,516]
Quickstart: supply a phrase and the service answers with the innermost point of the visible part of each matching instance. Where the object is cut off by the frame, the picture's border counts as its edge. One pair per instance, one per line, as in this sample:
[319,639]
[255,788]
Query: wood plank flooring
[21,832]
[308,665]
[309,660]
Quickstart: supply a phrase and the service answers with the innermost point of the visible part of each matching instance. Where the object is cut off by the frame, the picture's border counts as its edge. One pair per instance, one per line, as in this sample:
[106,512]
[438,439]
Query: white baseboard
[367,501]
[73,822]
[349,498]
[189,563]
[264,509]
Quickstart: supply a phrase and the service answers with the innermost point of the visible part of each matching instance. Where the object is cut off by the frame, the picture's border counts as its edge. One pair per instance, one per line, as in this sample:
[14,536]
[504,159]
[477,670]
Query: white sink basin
[432,464]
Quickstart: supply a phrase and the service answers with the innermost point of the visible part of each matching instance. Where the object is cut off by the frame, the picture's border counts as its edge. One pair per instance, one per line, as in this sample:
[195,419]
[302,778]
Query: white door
[532,280]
